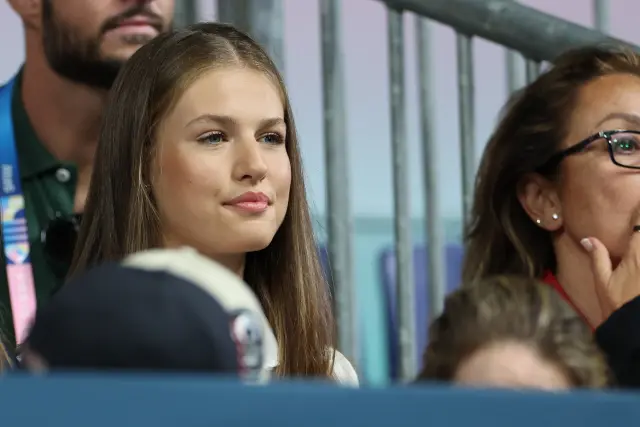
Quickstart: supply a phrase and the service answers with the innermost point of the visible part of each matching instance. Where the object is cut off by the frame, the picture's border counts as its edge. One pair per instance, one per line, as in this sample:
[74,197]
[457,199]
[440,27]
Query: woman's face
[598,198]
[510,365]
[222,175]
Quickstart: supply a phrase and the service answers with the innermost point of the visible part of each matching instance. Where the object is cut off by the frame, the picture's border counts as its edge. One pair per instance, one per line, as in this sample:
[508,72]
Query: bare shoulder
[343,371]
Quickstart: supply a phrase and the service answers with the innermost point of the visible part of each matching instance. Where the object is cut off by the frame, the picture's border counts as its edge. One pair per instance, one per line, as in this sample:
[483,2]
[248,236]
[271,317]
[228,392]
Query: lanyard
[15,236]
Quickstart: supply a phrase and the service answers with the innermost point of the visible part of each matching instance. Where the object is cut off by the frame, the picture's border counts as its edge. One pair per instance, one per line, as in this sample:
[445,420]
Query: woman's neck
[233,262]
[574,275]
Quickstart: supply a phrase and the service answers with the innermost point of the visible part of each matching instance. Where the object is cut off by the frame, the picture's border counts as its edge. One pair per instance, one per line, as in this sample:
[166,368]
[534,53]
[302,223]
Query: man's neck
[64,115]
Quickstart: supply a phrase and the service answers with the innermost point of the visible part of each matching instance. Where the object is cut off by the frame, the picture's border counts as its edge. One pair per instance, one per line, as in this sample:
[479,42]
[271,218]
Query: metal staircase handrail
[537,35]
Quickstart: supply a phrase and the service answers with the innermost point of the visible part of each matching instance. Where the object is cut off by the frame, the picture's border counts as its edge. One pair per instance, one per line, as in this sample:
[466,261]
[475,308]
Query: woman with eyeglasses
[558,195]
[199,148]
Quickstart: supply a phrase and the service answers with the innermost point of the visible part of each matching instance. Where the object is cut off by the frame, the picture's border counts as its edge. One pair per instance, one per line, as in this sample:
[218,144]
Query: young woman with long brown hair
[199,148]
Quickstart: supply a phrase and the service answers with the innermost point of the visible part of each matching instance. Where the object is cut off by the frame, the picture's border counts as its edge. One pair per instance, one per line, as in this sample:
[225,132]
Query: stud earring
[555,216]
[538,221]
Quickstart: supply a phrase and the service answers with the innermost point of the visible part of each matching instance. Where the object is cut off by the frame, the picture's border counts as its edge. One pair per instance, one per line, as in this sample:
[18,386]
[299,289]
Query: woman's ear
[539,199]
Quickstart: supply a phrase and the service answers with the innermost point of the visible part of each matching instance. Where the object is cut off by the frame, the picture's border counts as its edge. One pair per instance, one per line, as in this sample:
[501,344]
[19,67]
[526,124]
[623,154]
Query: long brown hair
[501,238]
[121,216]
[520,309]
[5,358]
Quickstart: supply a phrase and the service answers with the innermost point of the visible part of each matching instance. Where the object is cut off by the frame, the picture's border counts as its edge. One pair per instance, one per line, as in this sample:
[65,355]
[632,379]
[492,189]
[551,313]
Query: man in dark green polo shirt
[74,50]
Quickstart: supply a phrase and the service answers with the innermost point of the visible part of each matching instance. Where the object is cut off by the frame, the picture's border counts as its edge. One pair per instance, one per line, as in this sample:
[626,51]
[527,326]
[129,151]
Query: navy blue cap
[121,318]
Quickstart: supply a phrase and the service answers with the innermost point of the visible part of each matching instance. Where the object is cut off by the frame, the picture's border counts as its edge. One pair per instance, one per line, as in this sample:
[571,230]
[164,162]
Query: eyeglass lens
[625,148]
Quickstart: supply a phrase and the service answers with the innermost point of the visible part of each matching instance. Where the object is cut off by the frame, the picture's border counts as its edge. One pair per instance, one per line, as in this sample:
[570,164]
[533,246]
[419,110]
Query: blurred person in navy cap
[160,310]
[50,116]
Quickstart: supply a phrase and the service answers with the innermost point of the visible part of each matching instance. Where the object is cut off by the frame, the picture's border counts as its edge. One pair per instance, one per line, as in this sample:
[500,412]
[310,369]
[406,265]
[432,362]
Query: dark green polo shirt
[48,186]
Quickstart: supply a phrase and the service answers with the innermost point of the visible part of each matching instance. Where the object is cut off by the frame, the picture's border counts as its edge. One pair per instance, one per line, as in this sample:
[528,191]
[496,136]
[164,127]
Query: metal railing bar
[339,219]
[532,70]
[466,109]
[433,224]
[535,34]
[405,300]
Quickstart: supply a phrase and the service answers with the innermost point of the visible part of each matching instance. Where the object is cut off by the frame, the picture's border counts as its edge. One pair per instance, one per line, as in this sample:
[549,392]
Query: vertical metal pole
[434,227]
[513,80]
[532,70]
[263,19]
[466,110]
[186,13]
[337,173]
[513,74]
[601,15]
[402,220]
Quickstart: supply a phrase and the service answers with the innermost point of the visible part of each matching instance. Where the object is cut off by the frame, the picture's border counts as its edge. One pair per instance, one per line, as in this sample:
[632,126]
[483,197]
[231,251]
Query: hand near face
[615,286]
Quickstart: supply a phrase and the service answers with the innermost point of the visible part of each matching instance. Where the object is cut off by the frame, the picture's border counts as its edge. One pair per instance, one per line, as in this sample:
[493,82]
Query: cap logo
[248,334]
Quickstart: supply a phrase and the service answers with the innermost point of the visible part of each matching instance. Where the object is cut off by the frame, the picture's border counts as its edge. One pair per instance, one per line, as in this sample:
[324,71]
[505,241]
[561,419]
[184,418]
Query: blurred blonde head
[512,332]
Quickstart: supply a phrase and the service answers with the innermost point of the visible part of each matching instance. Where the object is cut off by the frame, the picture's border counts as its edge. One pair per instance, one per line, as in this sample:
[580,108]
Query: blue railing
[121,401]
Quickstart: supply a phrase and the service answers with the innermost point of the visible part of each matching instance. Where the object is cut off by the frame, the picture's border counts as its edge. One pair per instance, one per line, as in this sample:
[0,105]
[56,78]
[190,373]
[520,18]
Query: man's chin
[95,74]
[120,54]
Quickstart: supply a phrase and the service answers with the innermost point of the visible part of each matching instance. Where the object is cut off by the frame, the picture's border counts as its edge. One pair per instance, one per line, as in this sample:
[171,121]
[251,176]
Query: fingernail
[586,244]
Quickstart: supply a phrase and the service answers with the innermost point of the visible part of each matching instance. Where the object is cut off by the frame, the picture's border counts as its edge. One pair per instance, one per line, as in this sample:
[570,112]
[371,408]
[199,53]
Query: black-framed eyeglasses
[59,240]
[623,147]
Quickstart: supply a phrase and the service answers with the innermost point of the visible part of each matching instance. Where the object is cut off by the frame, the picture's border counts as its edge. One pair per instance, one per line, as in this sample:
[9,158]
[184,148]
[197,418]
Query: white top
[343,371]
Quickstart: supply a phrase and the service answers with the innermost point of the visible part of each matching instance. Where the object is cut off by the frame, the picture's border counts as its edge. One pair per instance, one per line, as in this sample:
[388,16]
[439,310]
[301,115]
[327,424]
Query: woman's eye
[272,138]
[212,138]
[625,144]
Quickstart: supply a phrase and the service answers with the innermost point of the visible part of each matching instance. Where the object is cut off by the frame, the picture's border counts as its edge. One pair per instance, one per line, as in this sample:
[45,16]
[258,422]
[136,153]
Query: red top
[550,279]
